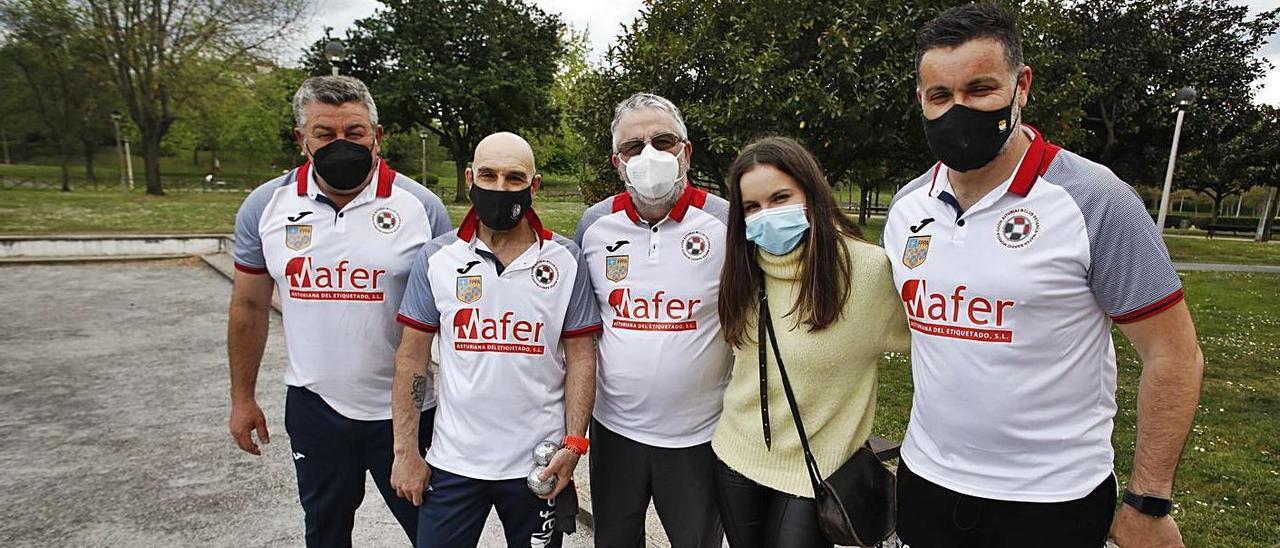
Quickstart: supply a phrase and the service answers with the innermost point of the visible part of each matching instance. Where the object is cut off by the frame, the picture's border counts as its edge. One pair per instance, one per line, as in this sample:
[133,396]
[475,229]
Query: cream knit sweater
[833,374]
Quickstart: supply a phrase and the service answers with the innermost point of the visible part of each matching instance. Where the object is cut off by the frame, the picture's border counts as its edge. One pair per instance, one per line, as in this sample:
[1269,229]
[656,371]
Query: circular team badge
[1017,228]
[545,274]
[386,220]
[695,246]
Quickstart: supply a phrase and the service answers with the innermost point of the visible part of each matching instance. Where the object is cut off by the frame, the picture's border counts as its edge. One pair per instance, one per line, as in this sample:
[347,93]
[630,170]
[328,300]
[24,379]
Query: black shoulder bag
[856,505]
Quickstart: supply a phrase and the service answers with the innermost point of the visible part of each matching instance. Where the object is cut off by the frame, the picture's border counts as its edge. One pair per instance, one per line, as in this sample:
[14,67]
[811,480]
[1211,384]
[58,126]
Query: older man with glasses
[654,253]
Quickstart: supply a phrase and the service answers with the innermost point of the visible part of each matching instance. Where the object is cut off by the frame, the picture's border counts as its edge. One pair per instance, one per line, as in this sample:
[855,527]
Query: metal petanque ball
[536,485]
[543,453]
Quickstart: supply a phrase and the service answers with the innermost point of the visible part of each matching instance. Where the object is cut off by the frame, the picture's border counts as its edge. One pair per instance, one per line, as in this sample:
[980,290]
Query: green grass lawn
[1222,250]
[1229,483]
[82,211]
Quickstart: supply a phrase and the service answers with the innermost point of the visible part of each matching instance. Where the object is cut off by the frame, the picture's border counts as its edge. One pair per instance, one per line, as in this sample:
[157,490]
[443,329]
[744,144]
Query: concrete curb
[127,246]
[1225,267]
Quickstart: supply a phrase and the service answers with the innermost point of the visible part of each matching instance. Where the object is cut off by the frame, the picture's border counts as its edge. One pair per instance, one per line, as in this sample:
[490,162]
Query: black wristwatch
[1156,507]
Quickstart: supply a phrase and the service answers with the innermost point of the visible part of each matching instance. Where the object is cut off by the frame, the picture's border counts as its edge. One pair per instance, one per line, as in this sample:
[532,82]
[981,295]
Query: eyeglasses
[662,141]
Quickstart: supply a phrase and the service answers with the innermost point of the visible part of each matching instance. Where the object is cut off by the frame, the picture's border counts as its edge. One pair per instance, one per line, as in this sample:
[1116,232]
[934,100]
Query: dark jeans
[759,517]
[626,473]
[455,509]
[331,454]
[931,516]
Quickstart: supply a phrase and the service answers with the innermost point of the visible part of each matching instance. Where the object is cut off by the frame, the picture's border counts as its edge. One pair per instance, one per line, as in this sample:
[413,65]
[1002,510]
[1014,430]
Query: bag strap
[766,325]
[764,376]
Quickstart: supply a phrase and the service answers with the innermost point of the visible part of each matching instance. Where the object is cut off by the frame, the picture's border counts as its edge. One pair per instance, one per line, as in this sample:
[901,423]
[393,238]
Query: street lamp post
[1265,220]
[335,51]
[423,137]
[115,120]
[1185,97]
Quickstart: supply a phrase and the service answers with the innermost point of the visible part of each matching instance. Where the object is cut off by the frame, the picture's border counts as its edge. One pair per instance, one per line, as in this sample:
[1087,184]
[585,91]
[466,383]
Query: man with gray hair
[338,237]
[663,363]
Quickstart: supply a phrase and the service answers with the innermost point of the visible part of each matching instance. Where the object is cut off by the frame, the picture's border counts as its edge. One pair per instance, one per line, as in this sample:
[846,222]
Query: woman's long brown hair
[824,269]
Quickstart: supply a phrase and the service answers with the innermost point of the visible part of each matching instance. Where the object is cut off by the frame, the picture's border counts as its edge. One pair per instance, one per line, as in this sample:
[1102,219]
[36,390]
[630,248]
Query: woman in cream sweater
[835,311]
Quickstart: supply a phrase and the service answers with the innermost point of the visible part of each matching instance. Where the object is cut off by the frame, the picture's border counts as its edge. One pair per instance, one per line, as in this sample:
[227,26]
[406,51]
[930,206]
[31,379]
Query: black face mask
[501,210]
[965,139]
[343,164]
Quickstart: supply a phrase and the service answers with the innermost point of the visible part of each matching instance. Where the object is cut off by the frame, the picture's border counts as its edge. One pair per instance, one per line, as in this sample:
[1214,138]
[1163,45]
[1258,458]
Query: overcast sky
[603,19]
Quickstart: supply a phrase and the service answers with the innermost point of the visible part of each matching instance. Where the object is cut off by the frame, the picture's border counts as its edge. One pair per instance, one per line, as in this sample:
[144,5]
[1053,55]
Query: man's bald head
[504,161]
[504,148]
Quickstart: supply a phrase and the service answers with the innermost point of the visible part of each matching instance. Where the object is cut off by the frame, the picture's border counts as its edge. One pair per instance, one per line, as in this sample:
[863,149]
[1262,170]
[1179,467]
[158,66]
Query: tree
[460,68]
[1233,151]
[838,75]
[159,52]
[1135,53]
[51,58]
[562,150]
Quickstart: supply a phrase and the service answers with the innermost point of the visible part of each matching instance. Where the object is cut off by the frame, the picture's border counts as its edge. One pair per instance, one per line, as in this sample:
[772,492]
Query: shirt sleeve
[418,308]
[1130,273]
[896,335]
[247,249]
[583,316]
[438,216]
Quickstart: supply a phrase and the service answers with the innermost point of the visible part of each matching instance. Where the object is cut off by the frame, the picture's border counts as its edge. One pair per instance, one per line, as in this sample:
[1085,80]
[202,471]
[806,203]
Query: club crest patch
[470,288]
[916,251]
[695,246]
[386,220]
[616,266]
[545,274]
[297,237]
[1017,228]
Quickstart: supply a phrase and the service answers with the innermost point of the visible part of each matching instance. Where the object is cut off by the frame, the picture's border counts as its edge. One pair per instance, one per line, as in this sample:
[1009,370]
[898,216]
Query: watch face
[1155,506]
[1149,505]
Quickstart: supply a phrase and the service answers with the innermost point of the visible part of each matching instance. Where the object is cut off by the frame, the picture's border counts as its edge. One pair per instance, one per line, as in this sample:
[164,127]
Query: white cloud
[602,20]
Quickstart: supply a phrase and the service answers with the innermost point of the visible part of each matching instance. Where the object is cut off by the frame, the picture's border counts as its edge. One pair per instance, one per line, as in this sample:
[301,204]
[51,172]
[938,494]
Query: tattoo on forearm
[419,389]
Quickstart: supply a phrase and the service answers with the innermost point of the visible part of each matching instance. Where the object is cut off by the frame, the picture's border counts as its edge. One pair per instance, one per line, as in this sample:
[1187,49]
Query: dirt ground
[113,407]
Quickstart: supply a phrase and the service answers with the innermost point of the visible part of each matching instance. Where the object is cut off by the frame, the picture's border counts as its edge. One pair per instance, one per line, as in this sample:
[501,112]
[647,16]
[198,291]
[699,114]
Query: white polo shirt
[340,275]
[1011,305]
[663,361]
[502,368]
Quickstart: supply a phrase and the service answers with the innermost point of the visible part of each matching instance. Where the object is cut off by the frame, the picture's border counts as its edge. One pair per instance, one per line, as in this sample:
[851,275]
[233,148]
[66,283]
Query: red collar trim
[691,197]
[302,177]
[622,202]
[1034,164]
[386,176]
[470,223]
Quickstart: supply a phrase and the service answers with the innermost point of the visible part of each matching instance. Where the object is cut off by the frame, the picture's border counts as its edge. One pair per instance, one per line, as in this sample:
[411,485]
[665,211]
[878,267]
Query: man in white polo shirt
[1014,258]
[655,254]
[512,305]
[337,236]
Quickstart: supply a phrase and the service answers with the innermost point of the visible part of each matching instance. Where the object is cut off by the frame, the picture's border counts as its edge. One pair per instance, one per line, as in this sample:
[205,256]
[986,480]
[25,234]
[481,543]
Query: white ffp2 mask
[653,173]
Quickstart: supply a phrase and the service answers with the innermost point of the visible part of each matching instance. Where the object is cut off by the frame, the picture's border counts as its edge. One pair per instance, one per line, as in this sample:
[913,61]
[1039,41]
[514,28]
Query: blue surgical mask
[778,230]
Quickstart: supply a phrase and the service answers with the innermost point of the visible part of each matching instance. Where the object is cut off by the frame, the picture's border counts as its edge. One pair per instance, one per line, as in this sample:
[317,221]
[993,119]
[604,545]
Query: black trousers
[626,473]
[931,516]
[454,512]
[331,454]
[756,516]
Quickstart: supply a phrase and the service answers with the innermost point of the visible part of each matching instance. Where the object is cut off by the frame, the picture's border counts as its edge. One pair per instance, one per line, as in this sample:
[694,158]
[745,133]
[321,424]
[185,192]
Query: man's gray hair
[331,90]
[641,101]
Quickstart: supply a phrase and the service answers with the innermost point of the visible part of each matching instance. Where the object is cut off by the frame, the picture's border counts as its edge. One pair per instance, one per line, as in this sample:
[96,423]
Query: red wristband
[576,444]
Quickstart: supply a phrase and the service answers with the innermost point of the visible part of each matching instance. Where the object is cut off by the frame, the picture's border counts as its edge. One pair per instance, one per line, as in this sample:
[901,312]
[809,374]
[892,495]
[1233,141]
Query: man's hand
[562,466]
[246,417]
[410,476]
[1133,529]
